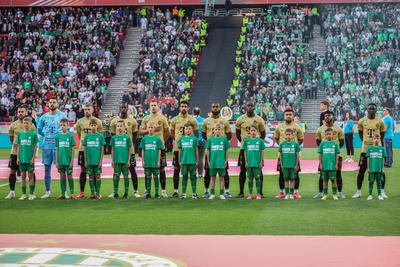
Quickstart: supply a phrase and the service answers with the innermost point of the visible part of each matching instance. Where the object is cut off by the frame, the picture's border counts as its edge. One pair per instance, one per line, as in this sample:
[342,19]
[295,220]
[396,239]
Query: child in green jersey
[254,157]
[65,143]
[375,161]
[151,146]
[26,150]
[188,155]
[94,151]
[217,156]
[289,159]
[121,150]
[329,151]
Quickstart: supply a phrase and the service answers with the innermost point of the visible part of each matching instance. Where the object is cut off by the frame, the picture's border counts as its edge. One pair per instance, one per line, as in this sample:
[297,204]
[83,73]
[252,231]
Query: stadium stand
[67,52]
[270,66]
[170,54]
[361,64]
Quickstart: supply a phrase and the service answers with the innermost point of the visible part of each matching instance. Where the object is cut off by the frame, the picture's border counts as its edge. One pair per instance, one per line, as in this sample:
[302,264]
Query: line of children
[216,151]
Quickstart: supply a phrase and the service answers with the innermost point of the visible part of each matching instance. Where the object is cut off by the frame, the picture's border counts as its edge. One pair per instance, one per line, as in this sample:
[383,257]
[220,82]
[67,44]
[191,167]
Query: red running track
[202,250]
[307,166]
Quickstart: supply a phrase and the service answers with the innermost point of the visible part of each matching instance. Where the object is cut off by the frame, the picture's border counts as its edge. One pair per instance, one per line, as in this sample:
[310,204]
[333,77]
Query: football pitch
[270,216]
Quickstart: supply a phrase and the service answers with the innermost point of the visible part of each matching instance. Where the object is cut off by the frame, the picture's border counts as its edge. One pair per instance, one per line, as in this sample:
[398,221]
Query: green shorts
[375,176]
[26,167]
[328,175]
[93,170]
[253,172]
[288,174]
[120,167]
[65,169]
[148,172]
[215,171]
[187,169]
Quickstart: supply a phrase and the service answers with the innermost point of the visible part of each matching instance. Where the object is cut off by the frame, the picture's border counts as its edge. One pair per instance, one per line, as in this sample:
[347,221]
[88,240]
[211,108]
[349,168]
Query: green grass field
[270,216]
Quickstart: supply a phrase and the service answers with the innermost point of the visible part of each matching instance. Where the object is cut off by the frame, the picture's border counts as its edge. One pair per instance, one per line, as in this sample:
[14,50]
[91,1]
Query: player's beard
[184,112]
[216,113]
[52,108]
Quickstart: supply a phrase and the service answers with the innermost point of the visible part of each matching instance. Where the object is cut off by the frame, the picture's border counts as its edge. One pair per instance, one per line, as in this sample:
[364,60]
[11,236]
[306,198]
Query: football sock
[291,191]
[63,184]
[325,191]
[156,185]
[116,184]
[250,184]
[296,181]
[339,180]
[98,185]
[242,180]
[334,190]
[134,178]
[47,177]
[163,179]
[71,185]
[221,191]
[320,183]
[281,181]
[148,185]
[126,185]
[226,180]
[24,190]
[212,191]
[176,179]
[91,184]
[184,183]
[82,181]
[286,190]
[31,189]
[193,181]
[258,186]
[383,181]
[12,179]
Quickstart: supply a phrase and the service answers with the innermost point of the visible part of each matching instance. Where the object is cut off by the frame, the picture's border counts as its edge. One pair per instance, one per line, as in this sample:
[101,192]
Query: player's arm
[228,132]
[101,156]
[166,130]
[277,135]
[85,154]
[159,157]
[197,156]
[112,154]
[142,155]
[41,125]
[360,130]
[207,156]
[337,161]
[318,137]
[78,129]
[172,131]
[239,134]
[204,130]
[57,156]
[226,156]
[297,160]
[280,159]
[195,127]
[99,126]
[341,143]
[300,136]
[320,161]
[262,129]
[34,153]
[368,163]
[11,133]
[262,159]
[130,151]
[245,158]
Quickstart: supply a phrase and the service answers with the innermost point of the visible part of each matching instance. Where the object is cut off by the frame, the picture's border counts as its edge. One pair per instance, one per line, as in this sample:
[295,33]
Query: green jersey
[328,151]
[26,142]
[188,146]
[289,153]
[375,155]
[65,143]
[253,148]
[121,144]
[151,145]
[93,144]
[217,147]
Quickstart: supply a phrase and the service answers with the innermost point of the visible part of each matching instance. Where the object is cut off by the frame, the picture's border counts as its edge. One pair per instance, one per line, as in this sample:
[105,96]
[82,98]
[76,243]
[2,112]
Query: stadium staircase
[217,63]
[310,107]
[128,62]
